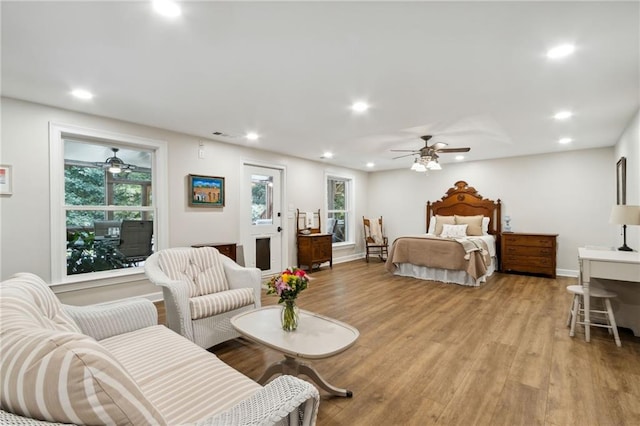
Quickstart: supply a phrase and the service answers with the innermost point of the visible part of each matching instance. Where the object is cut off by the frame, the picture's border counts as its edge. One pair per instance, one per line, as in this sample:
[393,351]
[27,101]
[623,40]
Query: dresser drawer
[528,251]
[530,268]
[529,240]
[515,262]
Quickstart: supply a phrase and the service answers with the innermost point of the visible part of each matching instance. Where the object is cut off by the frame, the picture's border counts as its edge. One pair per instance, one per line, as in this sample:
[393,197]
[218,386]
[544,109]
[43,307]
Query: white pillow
[432,226]
[454,231]
[485,225]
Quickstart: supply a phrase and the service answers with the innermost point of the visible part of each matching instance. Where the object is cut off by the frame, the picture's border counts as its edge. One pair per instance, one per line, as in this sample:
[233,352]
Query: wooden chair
[375,241]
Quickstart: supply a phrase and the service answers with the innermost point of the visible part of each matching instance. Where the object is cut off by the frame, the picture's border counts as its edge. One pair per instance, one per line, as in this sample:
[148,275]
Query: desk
[610,265]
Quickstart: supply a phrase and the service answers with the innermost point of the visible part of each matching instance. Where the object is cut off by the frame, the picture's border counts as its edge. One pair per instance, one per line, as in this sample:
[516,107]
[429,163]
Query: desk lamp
[625,215]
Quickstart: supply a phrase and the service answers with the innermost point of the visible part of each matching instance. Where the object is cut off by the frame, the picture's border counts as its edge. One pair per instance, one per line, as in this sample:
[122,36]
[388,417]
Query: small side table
[228,249]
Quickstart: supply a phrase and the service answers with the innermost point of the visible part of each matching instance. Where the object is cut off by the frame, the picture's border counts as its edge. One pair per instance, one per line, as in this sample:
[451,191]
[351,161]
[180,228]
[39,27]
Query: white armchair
[202,290]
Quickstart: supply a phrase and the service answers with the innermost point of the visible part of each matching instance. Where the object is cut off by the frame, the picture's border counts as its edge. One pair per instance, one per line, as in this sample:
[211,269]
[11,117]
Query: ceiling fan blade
[403,150]
[454,150]
[402,156]
[437,145]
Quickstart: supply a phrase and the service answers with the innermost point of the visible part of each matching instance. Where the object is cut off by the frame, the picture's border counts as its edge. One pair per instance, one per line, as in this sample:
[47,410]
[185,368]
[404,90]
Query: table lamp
[625,215]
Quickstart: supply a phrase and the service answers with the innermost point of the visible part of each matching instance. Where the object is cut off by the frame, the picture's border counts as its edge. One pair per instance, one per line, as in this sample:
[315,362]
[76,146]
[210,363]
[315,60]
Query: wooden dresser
[314,249]
[314,246]
[228,249]
[529,253]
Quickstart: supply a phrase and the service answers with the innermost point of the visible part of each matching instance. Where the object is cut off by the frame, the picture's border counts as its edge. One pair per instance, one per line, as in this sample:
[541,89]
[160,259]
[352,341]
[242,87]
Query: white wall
[24,216]
[629,146]
[568,193]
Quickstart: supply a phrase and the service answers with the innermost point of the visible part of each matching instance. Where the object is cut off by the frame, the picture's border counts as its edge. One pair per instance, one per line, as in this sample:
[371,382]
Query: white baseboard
[566,273]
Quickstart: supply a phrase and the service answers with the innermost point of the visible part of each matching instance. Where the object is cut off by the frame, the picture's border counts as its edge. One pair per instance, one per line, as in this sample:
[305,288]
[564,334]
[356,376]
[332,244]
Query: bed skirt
[443,275]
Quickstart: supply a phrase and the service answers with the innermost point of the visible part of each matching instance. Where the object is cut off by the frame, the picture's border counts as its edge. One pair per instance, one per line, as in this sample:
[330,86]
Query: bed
[462,242]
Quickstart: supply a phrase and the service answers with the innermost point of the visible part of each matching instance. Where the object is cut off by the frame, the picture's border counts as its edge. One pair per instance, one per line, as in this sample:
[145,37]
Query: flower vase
[290,315]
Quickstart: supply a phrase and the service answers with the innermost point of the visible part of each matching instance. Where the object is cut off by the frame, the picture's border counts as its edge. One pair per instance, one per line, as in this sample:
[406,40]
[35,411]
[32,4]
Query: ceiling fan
[116,165]
[428,156]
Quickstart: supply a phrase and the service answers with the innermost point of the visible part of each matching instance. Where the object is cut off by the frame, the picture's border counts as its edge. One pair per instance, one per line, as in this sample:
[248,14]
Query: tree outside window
[94,196]
[338,208]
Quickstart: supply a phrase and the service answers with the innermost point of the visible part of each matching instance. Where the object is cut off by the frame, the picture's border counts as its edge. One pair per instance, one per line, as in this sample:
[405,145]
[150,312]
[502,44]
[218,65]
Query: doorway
[262,218]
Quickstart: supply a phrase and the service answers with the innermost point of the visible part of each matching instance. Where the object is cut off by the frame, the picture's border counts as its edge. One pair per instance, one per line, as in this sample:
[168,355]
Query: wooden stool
[577,308]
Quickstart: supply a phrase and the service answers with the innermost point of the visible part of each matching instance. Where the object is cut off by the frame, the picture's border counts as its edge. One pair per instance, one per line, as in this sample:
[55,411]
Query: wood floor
[432,353]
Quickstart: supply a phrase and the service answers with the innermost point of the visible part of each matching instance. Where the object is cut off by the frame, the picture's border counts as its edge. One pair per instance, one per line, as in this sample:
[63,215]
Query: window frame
[58,132]
[349,205]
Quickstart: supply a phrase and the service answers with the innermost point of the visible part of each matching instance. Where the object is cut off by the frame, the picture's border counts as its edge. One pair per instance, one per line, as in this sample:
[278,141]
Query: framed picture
[621,181]
[206,191]
[6,179]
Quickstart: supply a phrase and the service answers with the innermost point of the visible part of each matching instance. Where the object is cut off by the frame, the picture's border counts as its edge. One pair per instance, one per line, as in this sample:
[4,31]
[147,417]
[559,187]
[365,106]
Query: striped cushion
[217,303]
[201,267]
[176,265]
[33,300]
[185,382]
[70,378]
[50,373]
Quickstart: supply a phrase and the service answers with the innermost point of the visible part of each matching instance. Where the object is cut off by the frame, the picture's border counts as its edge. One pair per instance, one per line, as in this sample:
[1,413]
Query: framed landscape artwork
[206,191]
[621,181]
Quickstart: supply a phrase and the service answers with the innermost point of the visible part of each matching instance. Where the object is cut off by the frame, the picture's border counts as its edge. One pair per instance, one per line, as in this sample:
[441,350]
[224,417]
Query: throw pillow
[474,223]
[454,231]
[442,220]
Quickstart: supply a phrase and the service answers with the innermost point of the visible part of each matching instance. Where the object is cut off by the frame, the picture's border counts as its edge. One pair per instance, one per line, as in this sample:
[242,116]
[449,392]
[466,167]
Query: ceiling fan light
[433,165]
[417,166]
[115,168]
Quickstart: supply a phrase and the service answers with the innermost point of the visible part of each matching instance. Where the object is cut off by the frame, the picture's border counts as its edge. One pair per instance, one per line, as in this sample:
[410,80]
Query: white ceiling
[473,72]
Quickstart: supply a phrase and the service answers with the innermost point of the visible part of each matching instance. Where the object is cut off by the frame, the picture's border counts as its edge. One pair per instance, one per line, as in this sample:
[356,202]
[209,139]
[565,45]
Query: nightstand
[529,253]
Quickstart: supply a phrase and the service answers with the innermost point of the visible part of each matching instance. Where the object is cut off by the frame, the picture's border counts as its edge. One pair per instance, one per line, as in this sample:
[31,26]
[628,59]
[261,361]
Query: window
[261,200]
[103,218]
[339,204]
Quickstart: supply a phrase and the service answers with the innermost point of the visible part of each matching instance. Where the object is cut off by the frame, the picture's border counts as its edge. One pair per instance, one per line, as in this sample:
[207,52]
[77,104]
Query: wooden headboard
[464,200]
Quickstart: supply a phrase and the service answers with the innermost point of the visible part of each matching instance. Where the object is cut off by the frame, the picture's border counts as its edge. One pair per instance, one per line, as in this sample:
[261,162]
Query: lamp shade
[625,215]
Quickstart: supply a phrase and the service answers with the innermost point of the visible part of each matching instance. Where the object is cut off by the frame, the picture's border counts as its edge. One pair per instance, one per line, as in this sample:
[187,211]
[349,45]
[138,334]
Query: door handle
[279,229]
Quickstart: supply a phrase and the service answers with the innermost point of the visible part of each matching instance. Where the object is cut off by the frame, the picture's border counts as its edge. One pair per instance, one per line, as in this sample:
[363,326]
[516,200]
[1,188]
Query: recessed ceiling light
[561,51]
[252,136]
[565,140]
[82,94]
[370,165]
[327,155]
[167,8]
[459,157]
[563,115]
[359,106]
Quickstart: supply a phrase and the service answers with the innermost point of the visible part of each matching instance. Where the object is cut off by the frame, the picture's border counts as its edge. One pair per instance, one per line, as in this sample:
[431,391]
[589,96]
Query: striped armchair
[112,364]
[202,290]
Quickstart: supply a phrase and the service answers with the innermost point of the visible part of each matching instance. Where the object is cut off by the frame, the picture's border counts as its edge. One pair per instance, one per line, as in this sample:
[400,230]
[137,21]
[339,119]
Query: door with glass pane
[262,218]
